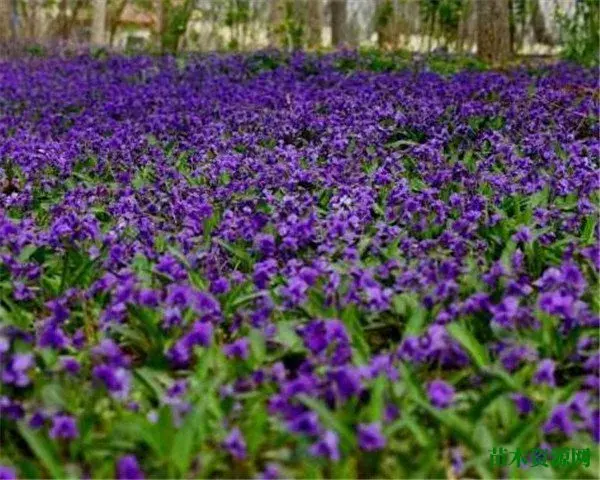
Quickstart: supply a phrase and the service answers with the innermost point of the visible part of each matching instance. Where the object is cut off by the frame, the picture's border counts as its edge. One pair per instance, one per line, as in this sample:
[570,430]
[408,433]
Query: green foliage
[237,17]
[442,18]
[292,29]
[176,17]
[580,33]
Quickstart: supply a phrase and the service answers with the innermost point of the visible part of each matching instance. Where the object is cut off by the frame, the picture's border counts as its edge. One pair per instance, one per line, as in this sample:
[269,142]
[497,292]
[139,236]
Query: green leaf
[376,403]
[183,443]
[243,299]
[329,419]
[589,227]
[149,378]
[257,346]
[44,450]
[470,343]
[287,336]
[350,317]
[459,426]
[256,425]
[27,252]
[237,252]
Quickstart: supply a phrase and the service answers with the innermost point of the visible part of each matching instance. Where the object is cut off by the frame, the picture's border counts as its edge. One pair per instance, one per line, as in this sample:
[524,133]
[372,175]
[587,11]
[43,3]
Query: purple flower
[38,419]
[11,408]
[52,336]
[15,372]
[200,334]
[326,446]
[370,437]
[441,394]
[545,373]
[149,298]
[7,473]
[111,353]
[172,317]
[307,423]
[513,357]
[506,311]
[347,381]
[523,403]
[271,472]
[238,349]
[391,413]
[594,425]
[128,468]
[219,286]
[116,379]
[265,244]
[63,426]
[523,235]
[557,303]
[178,389]
[235,444]
[560,420]
[294,293]
[70,365]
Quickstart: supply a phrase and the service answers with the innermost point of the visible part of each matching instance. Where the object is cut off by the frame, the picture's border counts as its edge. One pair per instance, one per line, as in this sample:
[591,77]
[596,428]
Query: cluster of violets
[276,256]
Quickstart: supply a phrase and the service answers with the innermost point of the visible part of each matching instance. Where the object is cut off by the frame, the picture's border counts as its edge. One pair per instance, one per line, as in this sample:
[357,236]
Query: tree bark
[5,20]
[98,36]
[493,31]
[538,24]
[315,22]
[159,30]
[62,20]
[339,22]
[384,23]
[33,20]
[113,17]
[275,18]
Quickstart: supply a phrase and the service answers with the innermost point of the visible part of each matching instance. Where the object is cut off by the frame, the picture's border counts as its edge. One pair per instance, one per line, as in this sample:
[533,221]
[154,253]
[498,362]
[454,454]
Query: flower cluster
[262,266]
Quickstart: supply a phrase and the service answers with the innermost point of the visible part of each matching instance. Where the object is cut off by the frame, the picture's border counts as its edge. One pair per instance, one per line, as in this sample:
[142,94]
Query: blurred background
[496,29]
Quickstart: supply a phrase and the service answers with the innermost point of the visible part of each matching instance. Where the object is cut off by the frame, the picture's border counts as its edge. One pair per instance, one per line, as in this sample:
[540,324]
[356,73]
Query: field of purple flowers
[295,267]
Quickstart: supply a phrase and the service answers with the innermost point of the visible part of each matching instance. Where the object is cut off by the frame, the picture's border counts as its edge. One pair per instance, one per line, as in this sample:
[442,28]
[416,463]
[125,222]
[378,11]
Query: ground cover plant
[295,266]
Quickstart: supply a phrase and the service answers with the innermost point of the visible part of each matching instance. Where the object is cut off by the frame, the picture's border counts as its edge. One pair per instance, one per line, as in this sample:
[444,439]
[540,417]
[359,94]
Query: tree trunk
[315,22]
[385,23]
[34,23]
[159,29]
[275,18]
[98,36]
[338,22]
[538,24]
[5,20]
[113,17]
[493,31]
[62,20]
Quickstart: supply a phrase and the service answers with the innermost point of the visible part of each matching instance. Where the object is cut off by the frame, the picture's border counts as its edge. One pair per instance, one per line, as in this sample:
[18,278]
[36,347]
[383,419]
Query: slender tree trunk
[384,22]
[159,10]
[63,24]
[511,27]
[5,20]
[114,15]
[275,17]
[493,31]
[98,36]
[339,22]
[34,21]
[62,20]
[538,24]
[315,22]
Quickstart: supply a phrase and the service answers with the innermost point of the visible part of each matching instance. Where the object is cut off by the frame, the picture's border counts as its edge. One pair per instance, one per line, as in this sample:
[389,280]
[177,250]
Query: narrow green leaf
[329,419]
[44,450]
[470,343]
